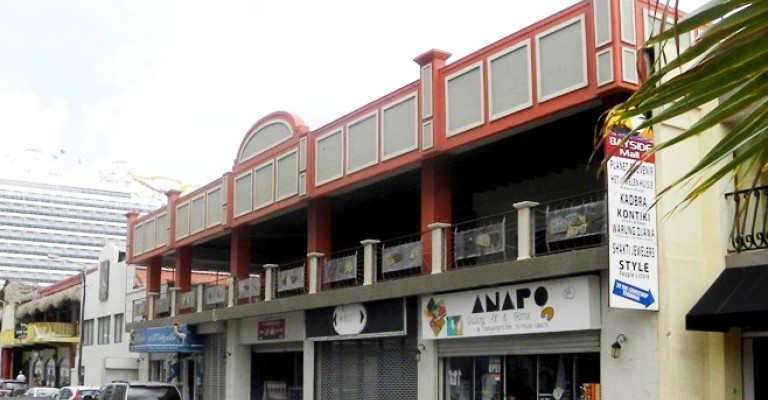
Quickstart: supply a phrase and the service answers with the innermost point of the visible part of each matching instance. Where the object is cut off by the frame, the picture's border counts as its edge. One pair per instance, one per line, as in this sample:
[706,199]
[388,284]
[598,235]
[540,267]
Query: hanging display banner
[401,257]
[341,269]
[558,305]
[632,239]
[481,241]
[290,279]
[165,339]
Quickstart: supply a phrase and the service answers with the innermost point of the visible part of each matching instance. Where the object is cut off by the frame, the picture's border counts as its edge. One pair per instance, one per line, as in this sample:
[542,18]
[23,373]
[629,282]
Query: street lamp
[83,270]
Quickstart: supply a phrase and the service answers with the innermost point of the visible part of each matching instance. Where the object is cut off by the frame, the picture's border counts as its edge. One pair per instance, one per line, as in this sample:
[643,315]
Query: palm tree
[728,63]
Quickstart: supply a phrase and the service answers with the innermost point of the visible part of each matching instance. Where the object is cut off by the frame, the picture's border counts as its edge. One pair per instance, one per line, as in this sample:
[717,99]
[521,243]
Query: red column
[154,270]
[319,226]
[7,361]
[182,275]
[319,232]
[240,253]
[435,203]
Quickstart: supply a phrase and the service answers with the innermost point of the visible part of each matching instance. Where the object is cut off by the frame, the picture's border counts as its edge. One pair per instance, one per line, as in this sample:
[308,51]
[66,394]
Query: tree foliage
[727,64]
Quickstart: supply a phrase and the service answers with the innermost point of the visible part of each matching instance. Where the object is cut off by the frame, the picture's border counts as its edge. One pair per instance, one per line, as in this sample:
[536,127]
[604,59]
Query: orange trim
[538,111]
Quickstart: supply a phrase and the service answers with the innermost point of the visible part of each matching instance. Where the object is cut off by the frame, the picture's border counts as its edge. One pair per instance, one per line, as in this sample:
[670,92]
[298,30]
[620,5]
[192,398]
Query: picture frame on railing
[249,288]
[575,221]
[215,294]
[401,257]
[341,269]
[485,240]
[187,300]
[290,279]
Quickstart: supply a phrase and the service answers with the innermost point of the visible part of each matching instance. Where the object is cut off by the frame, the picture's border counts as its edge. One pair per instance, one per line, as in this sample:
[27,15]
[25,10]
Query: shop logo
[436,314]
[349,319]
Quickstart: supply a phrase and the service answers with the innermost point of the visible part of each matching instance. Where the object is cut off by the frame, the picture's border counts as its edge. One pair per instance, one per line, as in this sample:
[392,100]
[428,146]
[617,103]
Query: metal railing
[750,219]
[564,225]
[343,268]
[571,223]
[399,257]
[483,240]
[291,279]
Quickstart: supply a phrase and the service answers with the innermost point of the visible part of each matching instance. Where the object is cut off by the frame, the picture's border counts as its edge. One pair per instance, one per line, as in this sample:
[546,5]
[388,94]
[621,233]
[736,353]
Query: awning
[738,298]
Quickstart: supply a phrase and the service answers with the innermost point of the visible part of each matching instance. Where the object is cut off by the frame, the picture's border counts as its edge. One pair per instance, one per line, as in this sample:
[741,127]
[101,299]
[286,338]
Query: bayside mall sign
[632,234]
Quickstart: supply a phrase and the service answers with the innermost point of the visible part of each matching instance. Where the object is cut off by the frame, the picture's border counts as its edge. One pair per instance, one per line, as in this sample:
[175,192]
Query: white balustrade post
[438,246]
[369,261]
[200,297]
[151,300]
[231,286]
[525,229]
[174,298]
[270,276]
[314,271]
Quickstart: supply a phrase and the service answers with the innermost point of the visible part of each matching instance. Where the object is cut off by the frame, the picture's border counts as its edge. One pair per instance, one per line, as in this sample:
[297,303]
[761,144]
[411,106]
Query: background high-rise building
[52,223]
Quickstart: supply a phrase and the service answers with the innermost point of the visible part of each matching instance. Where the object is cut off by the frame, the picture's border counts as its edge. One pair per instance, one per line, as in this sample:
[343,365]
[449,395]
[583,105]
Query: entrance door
[755,358]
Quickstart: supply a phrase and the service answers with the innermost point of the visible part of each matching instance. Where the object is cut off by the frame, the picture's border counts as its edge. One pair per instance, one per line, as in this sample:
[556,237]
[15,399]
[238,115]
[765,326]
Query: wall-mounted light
[616,346]
[420,348]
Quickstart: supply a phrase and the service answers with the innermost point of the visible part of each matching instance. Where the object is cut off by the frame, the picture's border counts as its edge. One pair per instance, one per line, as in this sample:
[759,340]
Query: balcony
[530,230]
[750,219]
[39,333]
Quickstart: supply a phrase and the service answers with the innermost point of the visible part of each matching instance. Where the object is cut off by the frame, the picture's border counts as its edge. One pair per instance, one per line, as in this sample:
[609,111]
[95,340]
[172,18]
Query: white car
[76,392]
[41,392]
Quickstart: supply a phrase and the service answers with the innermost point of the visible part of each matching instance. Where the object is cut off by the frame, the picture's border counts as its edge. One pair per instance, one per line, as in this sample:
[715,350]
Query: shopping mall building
[456,239]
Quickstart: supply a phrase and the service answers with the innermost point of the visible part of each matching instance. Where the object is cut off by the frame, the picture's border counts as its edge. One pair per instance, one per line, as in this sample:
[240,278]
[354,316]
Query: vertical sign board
[632,235]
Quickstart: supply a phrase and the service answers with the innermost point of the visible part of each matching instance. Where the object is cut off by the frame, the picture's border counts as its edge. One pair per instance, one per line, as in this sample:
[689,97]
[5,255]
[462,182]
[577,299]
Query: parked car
[12,387]
[46,392]
[76,392]
[130,390]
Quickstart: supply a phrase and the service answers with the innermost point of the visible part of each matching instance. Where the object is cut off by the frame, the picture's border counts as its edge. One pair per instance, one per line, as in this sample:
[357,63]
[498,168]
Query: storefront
[365,350]
[736,303]
[277,359]
[538,340]
[175,355]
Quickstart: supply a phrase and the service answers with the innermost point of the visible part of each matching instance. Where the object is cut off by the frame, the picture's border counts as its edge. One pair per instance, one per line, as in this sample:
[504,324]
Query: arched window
[64,372]
[50,373]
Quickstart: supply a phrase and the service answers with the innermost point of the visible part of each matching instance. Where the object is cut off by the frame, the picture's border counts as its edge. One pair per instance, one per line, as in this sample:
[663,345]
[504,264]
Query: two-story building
[452,239]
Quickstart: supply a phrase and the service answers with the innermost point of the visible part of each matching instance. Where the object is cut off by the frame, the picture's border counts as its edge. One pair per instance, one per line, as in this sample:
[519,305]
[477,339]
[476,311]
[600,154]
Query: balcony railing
[531,230]
[750,219]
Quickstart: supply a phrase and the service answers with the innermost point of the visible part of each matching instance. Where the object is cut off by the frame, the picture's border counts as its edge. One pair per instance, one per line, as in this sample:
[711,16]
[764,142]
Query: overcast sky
[173,86]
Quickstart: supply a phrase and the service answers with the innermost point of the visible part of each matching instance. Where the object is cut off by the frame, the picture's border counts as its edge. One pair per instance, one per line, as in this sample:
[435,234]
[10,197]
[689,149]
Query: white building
[108,294]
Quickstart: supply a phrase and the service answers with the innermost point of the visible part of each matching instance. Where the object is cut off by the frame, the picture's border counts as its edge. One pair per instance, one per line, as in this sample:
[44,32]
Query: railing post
[438,246]
[151,296]
[200,297]
[174,298]
[525,229]
[369,261]
[231,286]
[270,277]
[314,271]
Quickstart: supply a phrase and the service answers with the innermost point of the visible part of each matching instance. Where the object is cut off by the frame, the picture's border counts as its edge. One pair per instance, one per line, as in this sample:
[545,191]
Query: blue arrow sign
[634,293]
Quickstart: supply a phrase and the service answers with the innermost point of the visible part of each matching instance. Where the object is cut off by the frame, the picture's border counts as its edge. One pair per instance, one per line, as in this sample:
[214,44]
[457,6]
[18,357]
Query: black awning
[737,298]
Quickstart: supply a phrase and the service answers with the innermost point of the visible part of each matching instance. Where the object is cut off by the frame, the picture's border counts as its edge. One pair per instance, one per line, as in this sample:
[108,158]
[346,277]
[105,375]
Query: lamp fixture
[420,348]
[616,346]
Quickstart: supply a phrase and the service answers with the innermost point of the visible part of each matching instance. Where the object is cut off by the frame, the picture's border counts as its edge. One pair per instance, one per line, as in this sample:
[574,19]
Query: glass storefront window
[520,377]
[489,384]
[458,379]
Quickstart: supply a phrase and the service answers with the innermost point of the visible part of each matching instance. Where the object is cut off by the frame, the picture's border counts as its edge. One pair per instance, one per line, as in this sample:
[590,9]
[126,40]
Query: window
[103,328]
[522,377]
[119,327]
[87,334]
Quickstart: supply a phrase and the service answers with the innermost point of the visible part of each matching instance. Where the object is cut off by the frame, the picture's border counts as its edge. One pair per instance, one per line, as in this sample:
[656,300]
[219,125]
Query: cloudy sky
[173,86]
